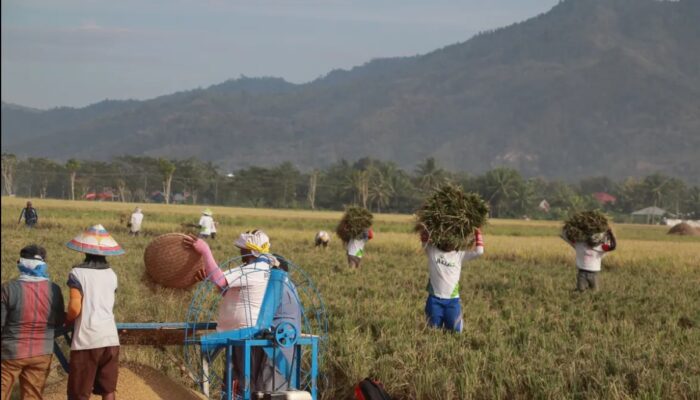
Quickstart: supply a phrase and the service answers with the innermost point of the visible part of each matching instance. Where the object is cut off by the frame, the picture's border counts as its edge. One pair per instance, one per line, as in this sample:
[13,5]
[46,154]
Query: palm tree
[430,175]
[381,190]
[500,185]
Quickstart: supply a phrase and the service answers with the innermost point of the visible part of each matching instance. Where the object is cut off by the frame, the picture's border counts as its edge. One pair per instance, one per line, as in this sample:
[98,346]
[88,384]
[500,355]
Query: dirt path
[136,382]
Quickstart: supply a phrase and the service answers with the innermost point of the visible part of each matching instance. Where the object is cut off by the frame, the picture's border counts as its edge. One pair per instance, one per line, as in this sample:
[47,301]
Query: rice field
[527,333]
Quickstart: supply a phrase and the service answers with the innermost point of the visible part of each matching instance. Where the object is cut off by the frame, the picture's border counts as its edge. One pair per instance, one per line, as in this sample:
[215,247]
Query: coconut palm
[380,190]
[430,175]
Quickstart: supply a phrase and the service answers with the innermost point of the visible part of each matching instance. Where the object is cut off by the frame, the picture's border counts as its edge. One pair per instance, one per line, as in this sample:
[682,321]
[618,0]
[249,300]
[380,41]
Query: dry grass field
[527,333]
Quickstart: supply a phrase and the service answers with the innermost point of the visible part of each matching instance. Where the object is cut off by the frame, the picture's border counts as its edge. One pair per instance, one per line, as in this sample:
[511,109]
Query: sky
[78,52]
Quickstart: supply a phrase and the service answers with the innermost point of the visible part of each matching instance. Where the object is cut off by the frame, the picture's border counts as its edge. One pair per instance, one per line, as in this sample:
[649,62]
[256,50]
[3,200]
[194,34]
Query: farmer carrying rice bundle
[243,289]
[355,229]
[449,225]
[32,308]
[94,356]
[590,235]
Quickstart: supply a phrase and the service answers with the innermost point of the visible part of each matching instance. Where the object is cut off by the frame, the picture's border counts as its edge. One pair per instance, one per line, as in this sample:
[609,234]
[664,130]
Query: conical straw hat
[96,240]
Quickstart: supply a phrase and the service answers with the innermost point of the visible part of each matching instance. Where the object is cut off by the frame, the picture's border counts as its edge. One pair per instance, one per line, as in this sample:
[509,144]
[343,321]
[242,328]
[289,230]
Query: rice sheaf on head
[584,225]
[353,224]
[451,216]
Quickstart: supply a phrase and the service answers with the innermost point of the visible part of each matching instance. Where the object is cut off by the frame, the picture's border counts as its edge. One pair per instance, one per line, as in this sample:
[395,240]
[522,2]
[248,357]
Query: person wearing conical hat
[206,223]
[94,357]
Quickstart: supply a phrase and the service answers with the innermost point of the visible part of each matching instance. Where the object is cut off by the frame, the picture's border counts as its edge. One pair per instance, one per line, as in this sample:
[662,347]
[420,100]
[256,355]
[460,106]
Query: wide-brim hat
[207,212]
[96,240]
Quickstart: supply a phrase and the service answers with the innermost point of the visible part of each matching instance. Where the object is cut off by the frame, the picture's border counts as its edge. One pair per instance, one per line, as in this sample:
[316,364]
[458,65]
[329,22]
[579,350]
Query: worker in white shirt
[206,223]
[135,222]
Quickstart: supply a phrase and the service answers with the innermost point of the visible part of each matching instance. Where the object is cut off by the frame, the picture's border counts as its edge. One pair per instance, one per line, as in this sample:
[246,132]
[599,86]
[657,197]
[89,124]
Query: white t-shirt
[242,301]
[95,326]
[206,223]
[356,247]
[445,268]
[136,220]
[588,258]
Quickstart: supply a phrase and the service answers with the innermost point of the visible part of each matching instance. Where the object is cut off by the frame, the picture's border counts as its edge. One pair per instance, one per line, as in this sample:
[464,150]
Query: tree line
[377,185]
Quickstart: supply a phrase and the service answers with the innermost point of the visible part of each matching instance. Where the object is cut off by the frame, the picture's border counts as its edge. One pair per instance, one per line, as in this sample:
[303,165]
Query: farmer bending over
[588,258]
[443,308]
[32,308]
[322,238]
[94,355]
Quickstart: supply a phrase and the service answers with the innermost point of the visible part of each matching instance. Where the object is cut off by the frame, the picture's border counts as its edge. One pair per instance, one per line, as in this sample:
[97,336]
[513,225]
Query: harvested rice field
[527,333]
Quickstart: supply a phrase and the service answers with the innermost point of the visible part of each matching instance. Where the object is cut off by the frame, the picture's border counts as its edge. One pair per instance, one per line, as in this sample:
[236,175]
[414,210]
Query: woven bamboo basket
[170,263]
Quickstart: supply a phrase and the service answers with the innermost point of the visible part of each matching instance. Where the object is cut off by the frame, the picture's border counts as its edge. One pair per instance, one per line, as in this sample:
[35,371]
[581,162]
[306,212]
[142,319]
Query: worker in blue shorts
[443,308]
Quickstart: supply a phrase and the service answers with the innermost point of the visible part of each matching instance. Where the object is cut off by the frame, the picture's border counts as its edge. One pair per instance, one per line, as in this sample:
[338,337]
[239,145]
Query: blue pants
[444,313]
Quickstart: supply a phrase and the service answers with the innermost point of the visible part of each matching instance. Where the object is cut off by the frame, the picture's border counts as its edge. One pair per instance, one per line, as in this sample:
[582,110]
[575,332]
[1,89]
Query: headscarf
[31,264]
[256,241]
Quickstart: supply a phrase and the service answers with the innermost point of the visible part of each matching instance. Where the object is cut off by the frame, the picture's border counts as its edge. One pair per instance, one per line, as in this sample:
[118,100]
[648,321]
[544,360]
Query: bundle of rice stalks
[450,217]
[354,222]
[586,226]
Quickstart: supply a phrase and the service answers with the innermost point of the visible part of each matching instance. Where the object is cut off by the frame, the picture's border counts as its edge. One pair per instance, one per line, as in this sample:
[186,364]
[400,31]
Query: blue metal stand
[248,344]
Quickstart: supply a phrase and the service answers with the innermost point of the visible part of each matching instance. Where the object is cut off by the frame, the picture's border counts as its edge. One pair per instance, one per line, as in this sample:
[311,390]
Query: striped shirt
[30,313]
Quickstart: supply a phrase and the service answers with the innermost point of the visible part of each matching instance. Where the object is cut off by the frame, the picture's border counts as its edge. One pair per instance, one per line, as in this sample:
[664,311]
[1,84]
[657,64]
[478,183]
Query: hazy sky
[78,52]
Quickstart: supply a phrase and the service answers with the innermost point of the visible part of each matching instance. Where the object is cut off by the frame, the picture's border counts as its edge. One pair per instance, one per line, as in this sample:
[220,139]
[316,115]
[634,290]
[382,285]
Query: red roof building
[604,198]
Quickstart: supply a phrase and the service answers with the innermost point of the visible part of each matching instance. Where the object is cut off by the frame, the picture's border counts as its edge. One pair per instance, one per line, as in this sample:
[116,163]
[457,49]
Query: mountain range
[591,87]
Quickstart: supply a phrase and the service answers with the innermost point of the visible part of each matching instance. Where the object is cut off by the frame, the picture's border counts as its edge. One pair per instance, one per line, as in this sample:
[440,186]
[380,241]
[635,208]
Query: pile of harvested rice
[684,229]
[450,217]
[353,224]
[586,226]
[135,382]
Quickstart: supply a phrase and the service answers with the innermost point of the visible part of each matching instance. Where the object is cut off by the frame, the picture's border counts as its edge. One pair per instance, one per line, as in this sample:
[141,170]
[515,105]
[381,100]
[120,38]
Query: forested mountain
[592,87]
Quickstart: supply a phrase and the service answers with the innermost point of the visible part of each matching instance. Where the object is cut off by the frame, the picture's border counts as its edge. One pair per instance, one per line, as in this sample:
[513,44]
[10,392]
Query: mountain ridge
[591,87]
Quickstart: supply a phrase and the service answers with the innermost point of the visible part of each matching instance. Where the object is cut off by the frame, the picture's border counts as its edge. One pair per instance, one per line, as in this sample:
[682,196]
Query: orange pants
[32,373]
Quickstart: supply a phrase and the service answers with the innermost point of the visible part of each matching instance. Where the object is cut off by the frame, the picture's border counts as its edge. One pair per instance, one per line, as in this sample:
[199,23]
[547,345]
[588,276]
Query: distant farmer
[213,229]
[94,356]
[356,247]
[30,215]
[206,223]
[135,222]
[32,308]
[322,238]
[589,255]
[443,308]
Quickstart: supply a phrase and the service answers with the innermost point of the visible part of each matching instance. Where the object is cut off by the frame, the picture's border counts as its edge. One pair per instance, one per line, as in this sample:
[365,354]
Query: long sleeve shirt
[31,311]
